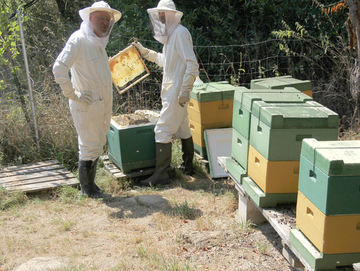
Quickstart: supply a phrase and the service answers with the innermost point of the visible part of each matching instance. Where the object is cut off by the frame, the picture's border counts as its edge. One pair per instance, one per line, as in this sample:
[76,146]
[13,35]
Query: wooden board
[36,177]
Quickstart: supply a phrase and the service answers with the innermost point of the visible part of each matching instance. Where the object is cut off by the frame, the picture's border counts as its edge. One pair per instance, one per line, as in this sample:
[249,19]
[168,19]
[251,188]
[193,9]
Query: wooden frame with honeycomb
[126,67]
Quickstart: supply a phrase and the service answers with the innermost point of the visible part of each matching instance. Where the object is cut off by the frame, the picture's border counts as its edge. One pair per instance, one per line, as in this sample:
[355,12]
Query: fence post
[28,79]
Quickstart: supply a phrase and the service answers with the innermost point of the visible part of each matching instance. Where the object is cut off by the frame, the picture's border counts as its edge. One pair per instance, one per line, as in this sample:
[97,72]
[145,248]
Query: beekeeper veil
[164,19]
[87,27]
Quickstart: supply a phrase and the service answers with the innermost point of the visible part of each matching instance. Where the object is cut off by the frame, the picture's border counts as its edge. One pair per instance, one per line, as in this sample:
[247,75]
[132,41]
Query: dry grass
[178,227]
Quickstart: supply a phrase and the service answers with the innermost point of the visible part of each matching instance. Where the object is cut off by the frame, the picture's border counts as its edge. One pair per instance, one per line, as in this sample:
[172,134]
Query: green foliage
[229,41]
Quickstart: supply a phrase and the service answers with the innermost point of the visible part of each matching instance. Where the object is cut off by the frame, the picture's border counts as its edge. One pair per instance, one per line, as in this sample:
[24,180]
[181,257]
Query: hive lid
[280,82]
[334,158]
[246,97]
[218,143]
[292,115]
[214,91]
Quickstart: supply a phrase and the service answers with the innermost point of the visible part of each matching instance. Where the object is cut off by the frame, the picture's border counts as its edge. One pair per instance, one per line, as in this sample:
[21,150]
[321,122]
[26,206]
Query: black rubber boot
[163,159]
[187,146]
[87,172]
[92,173]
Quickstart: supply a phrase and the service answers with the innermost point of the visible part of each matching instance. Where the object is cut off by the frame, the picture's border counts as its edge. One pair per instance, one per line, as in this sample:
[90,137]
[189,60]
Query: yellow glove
[184,98]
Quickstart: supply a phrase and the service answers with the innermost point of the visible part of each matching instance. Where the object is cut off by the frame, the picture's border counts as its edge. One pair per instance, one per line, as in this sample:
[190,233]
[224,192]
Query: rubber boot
[163,159]
[187,146]
[87,172]
[92,174]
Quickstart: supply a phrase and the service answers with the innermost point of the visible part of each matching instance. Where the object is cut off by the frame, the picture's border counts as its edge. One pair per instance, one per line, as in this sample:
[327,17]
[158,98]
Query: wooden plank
[46,185]
[36,177]
[40,180]
[19,178]
[26,171]
[29,166]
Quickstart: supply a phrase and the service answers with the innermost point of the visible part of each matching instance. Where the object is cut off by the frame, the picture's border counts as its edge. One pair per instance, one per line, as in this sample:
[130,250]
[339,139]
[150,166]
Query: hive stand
[249,210]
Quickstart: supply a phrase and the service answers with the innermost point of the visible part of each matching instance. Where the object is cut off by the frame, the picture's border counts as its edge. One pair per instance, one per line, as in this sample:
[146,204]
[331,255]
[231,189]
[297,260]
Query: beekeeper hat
[99,6]
[166,5]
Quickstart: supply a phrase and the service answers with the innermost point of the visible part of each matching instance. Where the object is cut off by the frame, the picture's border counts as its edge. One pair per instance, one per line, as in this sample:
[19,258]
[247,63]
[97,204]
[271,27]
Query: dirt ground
[173,228]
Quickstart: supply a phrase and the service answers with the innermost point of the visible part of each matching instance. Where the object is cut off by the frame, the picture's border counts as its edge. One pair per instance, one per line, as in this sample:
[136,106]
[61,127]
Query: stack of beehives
[269,125]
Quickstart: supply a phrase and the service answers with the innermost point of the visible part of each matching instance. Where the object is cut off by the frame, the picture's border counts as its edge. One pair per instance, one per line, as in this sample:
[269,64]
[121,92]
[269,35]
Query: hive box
[318,260]
[277,131]
[240,149]
[197,130]
[330,175]
[214,91]
[281,82]
[131,147]
[273,176]
[211,104]
[235,169]
[263,199]
[330,234]
[244,99]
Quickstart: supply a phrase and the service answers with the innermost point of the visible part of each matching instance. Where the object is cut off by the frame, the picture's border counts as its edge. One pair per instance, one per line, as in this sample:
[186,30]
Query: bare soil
[190,225]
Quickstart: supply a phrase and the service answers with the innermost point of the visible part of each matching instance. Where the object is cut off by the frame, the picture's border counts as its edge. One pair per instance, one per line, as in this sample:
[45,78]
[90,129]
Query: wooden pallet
[36,177]
[118,174]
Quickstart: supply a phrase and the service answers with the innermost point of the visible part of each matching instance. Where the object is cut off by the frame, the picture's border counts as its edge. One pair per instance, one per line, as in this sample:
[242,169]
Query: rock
[42,264]
[152,201]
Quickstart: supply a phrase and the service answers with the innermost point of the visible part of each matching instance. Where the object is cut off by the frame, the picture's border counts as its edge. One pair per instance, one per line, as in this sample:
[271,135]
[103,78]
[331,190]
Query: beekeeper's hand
[84,97]
[184,98]
[145,52]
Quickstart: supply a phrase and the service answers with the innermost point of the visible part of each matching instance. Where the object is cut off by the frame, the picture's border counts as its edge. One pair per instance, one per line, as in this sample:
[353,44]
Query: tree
[353,26]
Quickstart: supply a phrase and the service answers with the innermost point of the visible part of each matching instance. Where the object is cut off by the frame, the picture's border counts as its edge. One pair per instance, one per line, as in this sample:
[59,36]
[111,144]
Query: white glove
[142,50]
[84,97]
[145,52]
[184,98]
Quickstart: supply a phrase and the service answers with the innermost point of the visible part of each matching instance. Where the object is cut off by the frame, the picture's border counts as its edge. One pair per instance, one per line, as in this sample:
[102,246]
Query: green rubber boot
[163,159]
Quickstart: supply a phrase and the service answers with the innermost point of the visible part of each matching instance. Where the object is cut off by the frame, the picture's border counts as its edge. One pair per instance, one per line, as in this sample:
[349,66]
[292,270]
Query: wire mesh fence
[237,64]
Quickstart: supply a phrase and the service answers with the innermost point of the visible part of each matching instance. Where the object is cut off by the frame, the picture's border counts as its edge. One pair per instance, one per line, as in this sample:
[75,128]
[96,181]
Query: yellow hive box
[334,234]
[210,112]
[273,176]
[197,130]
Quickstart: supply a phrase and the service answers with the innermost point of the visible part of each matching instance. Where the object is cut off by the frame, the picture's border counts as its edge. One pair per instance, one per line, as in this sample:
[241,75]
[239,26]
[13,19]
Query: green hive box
[265,200]
[280,83]
[318,260]
[235,170]
[244,99]
[240,149]
[330,175]
[277,131]
[211,92]
[131,147]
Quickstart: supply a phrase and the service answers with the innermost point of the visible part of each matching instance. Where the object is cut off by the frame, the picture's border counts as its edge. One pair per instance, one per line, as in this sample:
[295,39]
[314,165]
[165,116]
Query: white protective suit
[85,56]
[180,69]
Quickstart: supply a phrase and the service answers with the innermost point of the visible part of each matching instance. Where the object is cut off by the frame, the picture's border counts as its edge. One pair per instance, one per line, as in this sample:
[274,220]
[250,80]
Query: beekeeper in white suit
[180,69]
[90,87]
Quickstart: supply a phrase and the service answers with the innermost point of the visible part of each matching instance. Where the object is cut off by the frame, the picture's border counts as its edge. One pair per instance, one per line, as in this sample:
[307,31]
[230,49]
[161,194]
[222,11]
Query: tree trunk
[354,12]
